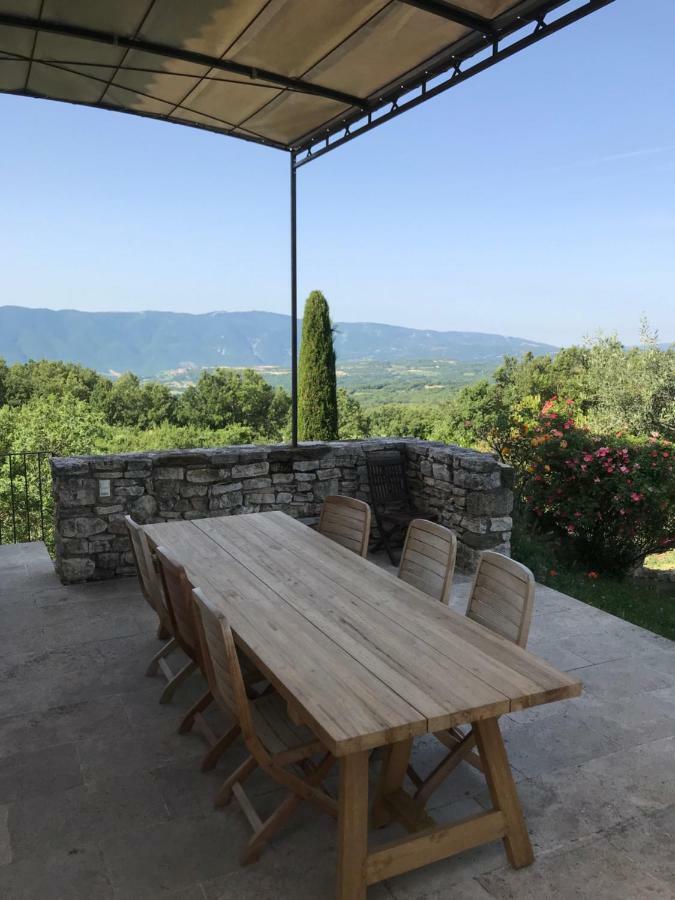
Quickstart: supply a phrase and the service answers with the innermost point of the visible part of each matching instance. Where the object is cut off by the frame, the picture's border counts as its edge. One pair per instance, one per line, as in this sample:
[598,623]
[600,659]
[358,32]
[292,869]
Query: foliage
[128,402]
[403,420]
[637,600]
[612,498]
[317,392]
[224,398]
[353,422]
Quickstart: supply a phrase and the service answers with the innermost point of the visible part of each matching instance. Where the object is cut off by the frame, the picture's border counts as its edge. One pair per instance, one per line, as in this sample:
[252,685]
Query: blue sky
[537,199]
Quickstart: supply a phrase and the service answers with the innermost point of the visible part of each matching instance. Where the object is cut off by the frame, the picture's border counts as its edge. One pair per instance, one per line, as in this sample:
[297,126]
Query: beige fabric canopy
[279,72]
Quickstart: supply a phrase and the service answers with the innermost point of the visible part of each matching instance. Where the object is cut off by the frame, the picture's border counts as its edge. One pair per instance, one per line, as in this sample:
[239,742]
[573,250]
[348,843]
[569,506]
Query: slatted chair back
[223,668]
[502,597]
[151,585]
[387,479]
[178,592]
[428,558]
[346,521]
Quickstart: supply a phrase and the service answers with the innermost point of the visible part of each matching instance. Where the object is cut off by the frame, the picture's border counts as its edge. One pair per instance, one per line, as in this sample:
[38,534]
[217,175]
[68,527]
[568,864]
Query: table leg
[503,791]
[394,768]
[353,827]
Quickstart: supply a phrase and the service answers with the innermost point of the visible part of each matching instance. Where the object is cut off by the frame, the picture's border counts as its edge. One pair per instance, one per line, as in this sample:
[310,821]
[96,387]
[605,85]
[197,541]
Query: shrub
[611,498]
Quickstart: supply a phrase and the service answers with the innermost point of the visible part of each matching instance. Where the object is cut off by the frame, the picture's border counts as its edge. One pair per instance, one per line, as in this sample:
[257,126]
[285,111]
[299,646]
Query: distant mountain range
[149,343]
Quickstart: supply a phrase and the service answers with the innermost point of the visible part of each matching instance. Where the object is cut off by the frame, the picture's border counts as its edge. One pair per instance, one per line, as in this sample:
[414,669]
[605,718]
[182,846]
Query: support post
[294,309]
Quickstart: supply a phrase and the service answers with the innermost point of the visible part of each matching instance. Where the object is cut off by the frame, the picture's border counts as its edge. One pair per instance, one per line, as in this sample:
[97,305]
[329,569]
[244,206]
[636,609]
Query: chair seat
[274,727]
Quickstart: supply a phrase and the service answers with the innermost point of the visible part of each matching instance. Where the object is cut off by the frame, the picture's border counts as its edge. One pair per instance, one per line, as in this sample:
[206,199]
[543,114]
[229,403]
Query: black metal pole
[294,309]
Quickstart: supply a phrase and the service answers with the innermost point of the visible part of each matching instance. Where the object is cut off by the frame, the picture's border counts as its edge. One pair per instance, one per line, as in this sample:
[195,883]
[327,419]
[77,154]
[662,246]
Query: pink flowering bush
[611,498]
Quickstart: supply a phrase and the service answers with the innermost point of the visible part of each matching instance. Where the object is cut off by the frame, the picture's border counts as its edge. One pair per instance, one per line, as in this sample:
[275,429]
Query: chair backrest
[178,593]
[222,667]
[387,479]
[346,521]
[502,596]
[428,558]
[148,577]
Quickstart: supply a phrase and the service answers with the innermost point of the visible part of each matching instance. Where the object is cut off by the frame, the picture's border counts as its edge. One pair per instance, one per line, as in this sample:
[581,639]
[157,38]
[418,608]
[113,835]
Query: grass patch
[648,604]
[662,562]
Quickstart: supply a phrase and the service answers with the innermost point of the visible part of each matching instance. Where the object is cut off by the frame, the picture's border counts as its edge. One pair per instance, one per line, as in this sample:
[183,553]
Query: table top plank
[367,658]
[339,697]
[439,688]
[525,678]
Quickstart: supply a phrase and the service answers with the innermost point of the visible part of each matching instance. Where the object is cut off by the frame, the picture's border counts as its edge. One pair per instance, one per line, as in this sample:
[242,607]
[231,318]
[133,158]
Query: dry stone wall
[470,492]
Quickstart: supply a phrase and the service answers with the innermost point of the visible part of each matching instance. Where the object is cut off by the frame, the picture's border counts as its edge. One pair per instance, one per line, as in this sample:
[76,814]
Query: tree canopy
[317,390]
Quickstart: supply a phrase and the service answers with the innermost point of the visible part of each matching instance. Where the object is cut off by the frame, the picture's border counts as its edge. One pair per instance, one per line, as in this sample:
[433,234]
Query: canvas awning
[303,76]
[279,72]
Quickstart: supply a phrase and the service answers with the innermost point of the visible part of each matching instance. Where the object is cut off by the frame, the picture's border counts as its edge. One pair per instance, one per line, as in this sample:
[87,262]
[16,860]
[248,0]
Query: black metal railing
[25,497]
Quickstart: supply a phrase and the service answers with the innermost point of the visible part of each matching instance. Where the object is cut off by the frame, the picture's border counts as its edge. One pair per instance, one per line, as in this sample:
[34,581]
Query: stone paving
[101,798]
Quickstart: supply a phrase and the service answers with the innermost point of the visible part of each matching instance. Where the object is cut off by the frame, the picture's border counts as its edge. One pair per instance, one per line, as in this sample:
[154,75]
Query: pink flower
[602,451]
[588,457]
[592,575]
[624,469]
[635,497]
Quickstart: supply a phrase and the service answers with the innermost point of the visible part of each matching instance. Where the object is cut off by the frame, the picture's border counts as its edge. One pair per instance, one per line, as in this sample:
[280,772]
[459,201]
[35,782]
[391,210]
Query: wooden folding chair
[153,591]
[178,593]
[346,521]
[390,495]
[501,599]
[273,740]
[428,558]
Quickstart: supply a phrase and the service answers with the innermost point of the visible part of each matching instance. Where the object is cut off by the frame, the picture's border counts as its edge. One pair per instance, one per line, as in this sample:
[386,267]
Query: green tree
[223,398]
[317,389]
[353,422]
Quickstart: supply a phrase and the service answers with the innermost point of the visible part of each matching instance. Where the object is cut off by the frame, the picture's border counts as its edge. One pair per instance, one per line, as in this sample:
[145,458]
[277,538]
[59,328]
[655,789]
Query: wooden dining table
[366,661]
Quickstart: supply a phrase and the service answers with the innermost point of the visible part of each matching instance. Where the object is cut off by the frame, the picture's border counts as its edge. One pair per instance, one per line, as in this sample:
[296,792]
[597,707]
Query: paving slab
[101,798]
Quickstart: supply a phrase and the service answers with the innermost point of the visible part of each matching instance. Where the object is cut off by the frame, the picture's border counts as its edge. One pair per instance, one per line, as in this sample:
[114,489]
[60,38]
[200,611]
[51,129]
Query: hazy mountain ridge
[151,342]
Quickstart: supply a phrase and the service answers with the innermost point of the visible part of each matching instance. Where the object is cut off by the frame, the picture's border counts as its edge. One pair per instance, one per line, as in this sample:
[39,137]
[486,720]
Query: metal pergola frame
[447,72]
[488,42]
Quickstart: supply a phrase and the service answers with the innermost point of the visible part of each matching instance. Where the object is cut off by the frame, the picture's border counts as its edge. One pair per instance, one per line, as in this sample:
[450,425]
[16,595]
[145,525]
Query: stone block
[117,525]
[218,489]
[259,497]
[441,472]
[76,568]
[144,509]
[309,465]
[256,483]
[250,469]
[490,503]
[501,523]
[108,510]
[282,478]
[77,492]
[325,474]
[169,473]
[477,481]
[226,501]
[193,490]
[81,526]
[305,476]
[284,497]
[128,490]
[205,476]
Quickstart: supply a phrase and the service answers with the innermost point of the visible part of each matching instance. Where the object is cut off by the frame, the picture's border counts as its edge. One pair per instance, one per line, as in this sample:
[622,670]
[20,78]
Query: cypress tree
[317,393]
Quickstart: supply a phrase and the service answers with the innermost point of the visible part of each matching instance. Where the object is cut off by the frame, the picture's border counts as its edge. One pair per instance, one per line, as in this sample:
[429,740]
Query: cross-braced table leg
[353,827]
[503,792]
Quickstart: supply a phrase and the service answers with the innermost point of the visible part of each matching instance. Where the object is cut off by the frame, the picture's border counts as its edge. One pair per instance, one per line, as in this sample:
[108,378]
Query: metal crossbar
[487,47]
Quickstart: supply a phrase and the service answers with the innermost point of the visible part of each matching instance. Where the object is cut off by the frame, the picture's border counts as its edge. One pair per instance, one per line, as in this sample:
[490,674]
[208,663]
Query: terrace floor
[101,798]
